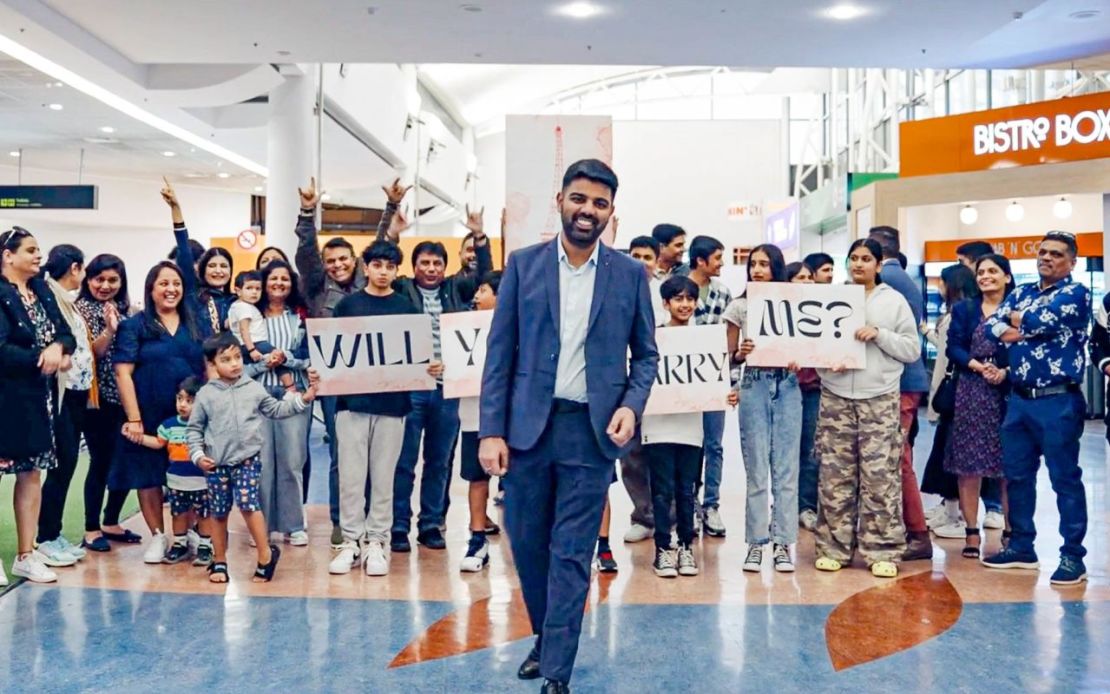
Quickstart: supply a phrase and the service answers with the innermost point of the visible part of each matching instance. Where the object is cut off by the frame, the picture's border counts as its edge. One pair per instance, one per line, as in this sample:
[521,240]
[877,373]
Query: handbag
[944,400]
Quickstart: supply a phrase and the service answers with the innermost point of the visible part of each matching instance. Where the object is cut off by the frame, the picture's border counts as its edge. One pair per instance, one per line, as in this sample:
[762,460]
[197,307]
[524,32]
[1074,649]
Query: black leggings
[67,444]
[101,429]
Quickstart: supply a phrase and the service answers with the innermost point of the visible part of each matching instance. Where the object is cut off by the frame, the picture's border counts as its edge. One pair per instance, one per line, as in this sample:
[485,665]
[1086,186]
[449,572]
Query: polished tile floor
[115,624]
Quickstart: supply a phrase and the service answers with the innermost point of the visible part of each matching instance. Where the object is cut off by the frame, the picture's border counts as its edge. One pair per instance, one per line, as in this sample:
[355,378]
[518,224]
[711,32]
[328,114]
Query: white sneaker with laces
[297,538]
[937,515]
[783,563]
[53,554]
[376,559]
[713,524]
[664,565]
[754,561]
[476,559]
[156,549]
[3,576]
[346,558]
[952,531]
[33,569]
[687,564]
[807,520]
[637,533]
[994,520]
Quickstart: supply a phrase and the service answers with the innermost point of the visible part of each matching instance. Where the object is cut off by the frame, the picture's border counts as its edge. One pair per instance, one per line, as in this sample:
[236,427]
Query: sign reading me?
[371,354]
[808,324]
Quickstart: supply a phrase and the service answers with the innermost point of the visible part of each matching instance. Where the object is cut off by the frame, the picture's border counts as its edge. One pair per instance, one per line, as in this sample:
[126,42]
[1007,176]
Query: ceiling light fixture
[1082,15]
[969,215]
[107,129]
[845,12]
[1015,212]
[1062,208]
[223,174]
[168,153]
[579,10]
[42,64]
[470,8]
[55,107]
[14,153]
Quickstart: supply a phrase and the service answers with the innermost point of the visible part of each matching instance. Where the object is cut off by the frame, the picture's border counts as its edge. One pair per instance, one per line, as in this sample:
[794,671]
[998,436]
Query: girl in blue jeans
[770,430]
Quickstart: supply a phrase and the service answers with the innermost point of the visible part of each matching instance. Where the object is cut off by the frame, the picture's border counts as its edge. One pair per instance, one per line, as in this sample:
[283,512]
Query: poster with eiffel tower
[538,150]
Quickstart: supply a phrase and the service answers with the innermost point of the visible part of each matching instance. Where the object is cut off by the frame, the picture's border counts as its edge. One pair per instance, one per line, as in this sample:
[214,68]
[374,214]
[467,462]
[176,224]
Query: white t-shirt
[240,310]
[468,414]
[684,428]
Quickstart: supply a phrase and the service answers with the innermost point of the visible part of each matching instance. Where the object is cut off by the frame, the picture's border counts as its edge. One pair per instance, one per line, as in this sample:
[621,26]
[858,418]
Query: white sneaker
[713,524]
[3,576]
[754,561]
[297,538]
[53,554]
[638,533]
[78,553]
[376,560]
[33,569]
[994,520]
[807,520]
[937,516]
[476,559]
[347,558]
[954,530]
[156,549]
[687,564]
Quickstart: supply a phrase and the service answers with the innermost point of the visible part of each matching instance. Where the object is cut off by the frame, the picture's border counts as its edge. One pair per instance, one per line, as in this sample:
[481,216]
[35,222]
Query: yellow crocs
[826,564]
[884,569]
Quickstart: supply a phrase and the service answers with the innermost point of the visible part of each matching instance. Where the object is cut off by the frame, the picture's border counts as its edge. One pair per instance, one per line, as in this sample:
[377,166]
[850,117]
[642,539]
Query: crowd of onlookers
[203,397]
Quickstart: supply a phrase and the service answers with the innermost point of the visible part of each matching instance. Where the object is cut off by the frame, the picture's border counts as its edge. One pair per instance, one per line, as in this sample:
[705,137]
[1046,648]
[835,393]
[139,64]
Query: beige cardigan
[938,337]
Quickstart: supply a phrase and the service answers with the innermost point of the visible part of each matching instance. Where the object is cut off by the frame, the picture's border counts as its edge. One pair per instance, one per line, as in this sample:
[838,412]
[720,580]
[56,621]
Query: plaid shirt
[710,310]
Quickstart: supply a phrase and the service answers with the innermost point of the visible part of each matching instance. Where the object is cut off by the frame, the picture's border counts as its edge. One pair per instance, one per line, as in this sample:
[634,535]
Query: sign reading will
[47,197]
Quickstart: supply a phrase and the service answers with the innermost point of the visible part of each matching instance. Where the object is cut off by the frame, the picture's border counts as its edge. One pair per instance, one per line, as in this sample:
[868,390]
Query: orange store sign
[1013,247]
[1042,133]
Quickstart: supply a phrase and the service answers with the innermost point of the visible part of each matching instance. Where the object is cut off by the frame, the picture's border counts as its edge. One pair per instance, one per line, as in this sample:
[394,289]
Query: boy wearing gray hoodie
[225,438]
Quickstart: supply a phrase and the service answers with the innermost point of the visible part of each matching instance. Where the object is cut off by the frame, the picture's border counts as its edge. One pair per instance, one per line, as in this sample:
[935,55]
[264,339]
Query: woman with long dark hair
[268,255]
[859,437]
[770,429]
[35,345]
[208,289]
[975,447]
[155,350]
[285,441]
[104,303]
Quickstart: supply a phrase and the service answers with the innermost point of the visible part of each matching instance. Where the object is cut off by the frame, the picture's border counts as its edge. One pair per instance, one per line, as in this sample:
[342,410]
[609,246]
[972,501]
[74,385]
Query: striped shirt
[287,335]
[434,308]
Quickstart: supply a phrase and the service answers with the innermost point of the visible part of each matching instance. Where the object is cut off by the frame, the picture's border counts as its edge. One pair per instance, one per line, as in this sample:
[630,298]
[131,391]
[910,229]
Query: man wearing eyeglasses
[1044,325]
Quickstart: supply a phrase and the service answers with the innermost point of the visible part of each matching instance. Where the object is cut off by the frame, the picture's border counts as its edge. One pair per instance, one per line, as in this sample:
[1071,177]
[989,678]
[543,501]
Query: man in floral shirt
[1044,325]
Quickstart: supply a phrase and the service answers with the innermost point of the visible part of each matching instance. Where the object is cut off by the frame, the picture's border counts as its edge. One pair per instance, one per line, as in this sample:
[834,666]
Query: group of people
[207,393]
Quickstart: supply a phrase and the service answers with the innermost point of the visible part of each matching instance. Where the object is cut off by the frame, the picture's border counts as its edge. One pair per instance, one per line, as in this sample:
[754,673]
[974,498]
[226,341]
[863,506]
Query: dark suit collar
[601,282]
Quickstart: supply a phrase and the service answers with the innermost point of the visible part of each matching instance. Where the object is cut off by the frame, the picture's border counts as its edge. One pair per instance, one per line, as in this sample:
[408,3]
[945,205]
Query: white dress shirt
[576,295]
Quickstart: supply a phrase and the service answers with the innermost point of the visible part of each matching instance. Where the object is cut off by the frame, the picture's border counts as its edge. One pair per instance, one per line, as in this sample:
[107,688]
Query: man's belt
[565,406]
[1046,391]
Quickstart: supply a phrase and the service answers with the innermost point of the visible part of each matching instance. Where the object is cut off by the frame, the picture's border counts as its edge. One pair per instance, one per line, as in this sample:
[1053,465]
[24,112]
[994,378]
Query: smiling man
[1045,326]
[560,402]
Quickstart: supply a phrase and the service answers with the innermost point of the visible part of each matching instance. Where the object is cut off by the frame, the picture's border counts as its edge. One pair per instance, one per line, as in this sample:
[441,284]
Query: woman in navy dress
[155,350]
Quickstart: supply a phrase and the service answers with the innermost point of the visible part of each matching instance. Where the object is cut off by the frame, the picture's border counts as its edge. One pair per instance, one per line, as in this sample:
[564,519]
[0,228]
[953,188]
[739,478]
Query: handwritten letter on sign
[809,324]
[463,336]
[693,370]
[371,354]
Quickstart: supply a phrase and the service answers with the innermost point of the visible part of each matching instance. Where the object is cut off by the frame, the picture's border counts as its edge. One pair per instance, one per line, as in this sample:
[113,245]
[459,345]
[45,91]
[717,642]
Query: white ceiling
[756,33]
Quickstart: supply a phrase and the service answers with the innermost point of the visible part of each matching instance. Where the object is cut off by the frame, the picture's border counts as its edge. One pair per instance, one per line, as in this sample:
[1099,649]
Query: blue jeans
[713,424]
[770,438]
[327,406]
[807,456]
[1048,427]
[437,421]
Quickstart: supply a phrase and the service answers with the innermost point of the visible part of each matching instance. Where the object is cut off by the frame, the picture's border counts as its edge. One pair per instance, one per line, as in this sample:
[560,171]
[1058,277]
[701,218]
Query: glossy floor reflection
[945,625]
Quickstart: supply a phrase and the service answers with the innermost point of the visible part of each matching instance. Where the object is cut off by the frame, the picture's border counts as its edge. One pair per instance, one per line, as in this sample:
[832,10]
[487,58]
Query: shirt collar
[563,253]
[1056,285]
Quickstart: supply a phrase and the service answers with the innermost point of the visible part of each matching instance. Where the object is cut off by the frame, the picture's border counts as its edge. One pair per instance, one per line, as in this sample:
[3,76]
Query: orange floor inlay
[891,617]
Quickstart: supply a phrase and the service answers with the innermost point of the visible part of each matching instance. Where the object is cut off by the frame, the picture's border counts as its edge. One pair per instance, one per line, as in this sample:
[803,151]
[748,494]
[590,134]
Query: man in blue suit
[560,402]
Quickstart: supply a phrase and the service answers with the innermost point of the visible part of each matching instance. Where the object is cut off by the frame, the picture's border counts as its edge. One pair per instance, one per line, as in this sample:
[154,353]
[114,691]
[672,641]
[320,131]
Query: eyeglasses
[13,234]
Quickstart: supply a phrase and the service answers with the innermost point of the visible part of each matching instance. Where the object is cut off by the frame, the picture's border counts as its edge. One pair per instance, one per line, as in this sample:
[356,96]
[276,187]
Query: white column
[291,156]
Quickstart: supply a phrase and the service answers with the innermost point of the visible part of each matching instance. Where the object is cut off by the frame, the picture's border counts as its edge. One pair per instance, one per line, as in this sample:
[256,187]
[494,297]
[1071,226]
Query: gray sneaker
[687,564]
[754,561]
[713,524]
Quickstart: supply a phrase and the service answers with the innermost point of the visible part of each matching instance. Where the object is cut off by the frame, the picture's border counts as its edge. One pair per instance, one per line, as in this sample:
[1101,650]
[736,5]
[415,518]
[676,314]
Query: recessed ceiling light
[168,153]
[470,8]
[371,10]
[55,107]
[13,153]
[845,12]
[195,174]
[579,10]
[223,174]
[1084,14]
[107,129]
[283,53]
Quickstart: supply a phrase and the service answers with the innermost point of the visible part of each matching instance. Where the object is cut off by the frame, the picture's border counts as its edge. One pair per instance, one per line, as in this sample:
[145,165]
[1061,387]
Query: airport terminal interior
[166,522]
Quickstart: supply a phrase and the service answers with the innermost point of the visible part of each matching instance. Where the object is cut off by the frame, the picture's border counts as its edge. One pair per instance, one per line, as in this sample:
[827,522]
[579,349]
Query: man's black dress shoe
[554,687]
[530,668]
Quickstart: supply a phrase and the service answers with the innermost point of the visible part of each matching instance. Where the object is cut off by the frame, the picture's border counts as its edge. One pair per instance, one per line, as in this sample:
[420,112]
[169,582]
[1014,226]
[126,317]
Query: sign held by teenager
[371,354]
[810,325]
[463,339]
[693,371]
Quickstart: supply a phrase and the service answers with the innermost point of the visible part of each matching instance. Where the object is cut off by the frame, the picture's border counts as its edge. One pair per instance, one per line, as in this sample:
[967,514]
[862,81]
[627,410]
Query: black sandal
[1006,535]
[265,572]
[217,569]
[970,551]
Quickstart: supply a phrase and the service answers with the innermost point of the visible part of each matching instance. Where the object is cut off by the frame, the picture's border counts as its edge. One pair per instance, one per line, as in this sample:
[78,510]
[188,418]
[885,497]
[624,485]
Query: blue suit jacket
[518,383]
